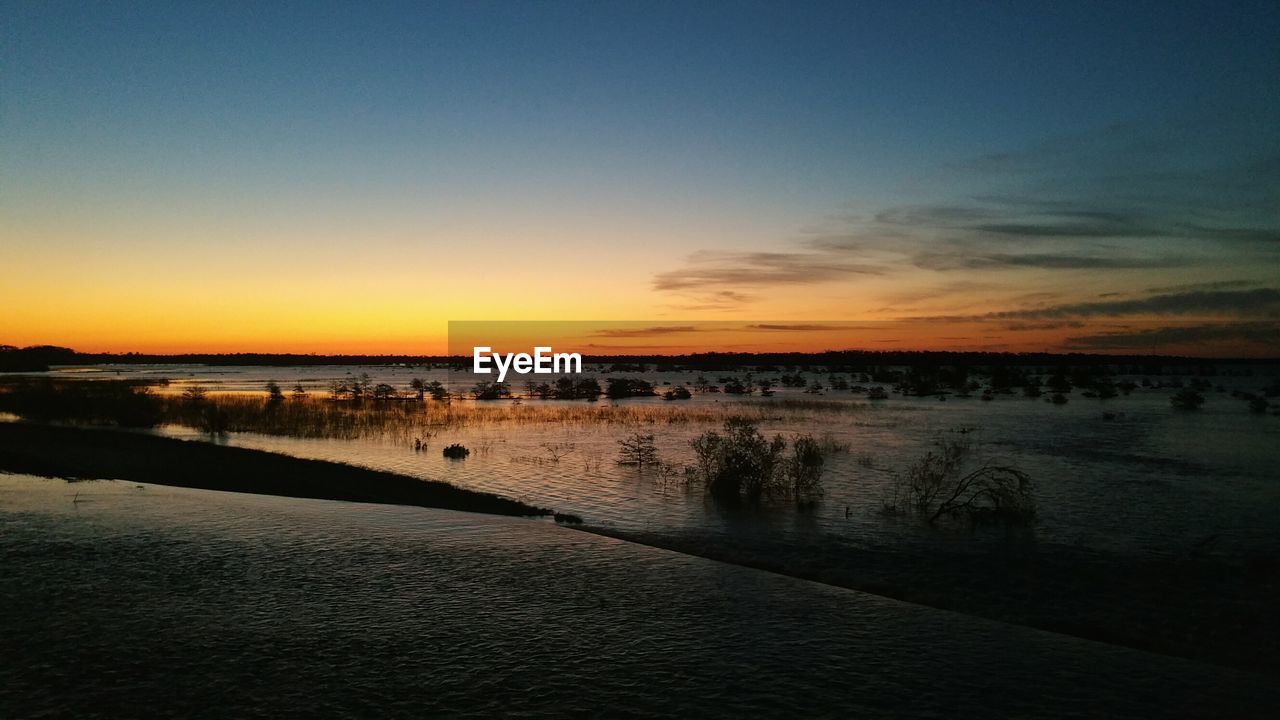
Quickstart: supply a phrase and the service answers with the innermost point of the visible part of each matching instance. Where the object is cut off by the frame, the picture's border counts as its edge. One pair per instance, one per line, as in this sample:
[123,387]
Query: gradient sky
[347,177]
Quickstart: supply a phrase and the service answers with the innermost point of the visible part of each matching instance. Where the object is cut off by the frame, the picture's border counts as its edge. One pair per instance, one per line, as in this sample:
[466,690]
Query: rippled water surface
[120,599]
[1147,480]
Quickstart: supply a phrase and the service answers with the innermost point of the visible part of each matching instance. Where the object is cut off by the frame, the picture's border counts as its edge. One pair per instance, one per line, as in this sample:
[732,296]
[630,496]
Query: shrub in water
[949,483]
[456,451]
[742,465]
[629,387]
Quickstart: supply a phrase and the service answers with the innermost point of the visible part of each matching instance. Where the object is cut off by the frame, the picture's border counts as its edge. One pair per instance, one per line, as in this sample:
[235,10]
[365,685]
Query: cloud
[796,327]
[715,300]
[759,269]
[638,348]
[1196,188]
[1229,302]
[1049,261]
[1051,325]
[1258,333]
[1213,285]
[653,331]
[1262,302]
[938,292]
[1230,234]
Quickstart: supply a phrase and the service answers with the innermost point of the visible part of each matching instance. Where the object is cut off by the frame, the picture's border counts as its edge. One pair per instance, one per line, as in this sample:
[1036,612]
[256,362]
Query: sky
[349,177]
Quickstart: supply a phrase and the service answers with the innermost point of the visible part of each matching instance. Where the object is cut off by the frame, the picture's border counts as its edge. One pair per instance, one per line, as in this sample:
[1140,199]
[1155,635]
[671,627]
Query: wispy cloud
[798,327]
[713,300]
[759,269]
[652,331]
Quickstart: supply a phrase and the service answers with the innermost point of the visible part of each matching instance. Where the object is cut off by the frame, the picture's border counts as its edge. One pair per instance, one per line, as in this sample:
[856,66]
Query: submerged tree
[491,391]
[638,450]
[950,482]
[437,390]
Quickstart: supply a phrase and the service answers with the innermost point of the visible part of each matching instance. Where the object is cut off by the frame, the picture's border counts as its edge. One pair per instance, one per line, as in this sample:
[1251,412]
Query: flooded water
[137,600]
[1128,474]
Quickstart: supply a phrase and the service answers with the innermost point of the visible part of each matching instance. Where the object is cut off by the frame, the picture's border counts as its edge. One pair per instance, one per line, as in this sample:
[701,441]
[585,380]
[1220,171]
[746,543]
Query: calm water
[133,600]
[1151,480]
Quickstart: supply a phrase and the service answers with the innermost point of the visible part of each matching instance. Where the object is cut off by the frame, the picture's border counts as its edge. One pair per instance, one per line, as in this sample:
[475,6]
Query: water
[1151,480]
[122,599]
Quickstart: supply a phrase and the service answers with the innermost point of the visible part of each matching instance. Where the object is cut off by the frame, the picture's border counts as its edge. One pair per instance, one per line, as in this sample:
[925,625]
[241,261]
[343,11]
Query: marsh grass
[401,419]
[405,420]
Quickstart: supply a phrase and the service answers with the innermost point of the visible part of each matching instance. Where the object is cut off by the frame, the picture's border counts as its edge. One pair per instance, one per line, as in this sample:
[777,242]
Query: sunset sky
[348,177]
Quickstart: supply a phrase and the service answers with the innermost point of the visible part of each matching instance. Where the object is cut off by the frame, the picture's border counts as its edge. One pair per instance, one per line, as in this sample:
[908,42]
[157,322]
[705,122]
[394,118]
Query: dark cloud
[1213,285]
[1263,302]
[645,331]
[1257,333]
[637,348]
[1051,325]
[796,327]
[1060,229]
[1049,261]
[1260,235]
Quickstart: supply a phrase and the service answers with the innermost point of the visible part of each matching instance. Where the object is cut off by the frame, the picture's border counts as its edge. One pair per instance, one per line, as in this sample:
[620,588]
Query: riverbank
[1216,609]
[80,453]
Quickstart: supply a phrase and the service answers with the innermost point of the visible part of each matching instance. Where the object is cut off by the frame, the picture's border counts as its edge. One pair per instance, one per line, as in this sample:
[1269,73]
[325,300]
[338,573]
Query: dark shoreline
[79,453]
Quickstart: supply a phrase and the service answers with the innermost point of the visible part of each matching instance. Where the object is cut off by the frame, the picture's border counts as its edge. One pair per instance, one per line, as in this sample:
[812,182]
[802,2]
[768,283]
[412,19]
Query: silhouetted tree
[490,391]
[629,387]
[274,393]
[638,450]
